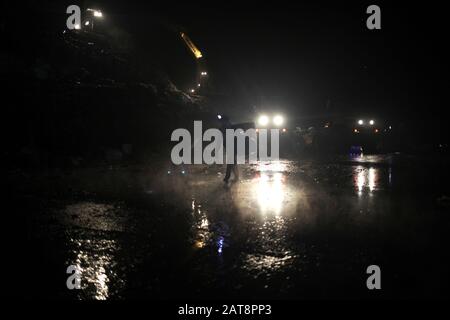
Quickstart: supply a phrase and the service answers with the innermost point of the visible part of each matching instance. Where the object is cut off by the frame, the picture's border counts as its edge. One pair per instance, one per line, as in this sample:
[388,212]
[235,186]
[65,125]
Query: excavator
[202,74]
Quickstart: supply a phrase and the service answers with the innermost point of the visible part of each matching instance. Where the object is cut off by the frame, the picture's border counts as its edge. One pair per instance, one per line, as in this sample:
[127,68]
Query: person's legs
[228,174]
[236,172]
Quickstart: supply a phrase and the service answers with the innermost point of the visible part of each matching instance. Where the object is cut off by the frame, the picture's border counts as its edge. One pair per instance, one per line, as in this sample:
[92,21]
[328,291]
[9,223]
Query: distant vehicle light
[96,13]
[219,116]
[192,91]
[355,130]
[284,130]
[204,73]
[376,130]
[263,120]
[371,122]
[360,122]
[198,84]
[86,23]
[278,120]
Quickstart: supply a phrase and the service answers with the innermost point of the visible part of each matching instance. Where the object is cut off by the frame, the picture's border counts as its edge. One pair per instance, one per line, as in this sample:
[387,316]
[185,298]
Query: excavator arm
[195,51]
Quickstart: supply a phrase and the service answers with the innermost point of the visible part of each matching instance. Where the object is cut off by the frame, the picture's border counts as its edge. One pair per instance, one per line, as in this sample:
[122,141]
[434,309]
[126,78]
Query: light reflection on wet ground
[284,229]
[95,259]
[365,179]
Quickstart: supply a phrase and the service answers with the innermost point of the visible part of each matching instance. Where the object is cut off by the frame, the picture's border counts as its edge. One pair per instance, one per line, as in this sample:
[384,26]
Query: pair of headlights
[264,120]
[361,122]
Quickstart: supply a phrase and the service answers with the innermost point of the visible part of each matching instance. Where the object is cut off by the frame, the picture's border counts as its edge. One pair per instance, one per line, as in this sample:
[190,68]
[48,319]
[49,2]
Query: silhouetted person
[226,124]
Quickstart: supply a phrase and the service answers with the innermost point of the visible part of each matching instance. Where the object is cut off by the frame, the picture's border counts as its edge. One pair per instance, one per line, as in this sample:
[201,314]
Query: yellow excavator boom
[191,45]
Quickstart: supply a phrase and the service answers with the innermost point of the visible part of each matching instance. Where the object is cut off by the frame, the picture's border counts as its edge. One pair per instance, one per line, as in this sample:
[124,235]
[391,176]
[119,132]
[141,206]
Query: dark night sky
[300,55]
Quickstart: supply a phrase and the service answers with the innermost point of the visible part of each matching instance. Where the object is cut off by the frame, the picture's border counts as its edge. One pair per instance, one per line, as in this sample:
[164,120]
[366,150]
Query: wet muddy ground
[286,229]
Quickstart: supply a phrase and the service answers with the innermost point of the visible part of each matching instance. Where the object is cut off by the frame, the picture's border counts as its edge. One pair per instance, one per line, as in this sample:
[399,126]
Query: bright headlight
[371,122]
[278,120]
[263,120]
